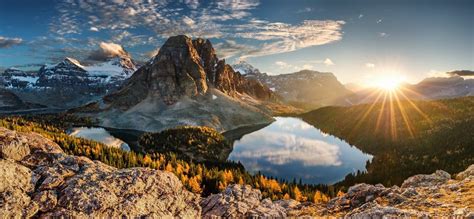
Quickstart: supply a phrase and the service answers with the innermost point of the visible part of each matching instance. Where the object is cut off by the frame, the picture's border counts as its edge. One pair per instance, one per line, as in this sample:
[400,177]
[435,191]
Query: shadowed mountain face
[185,84]
[11,102]
[438,88]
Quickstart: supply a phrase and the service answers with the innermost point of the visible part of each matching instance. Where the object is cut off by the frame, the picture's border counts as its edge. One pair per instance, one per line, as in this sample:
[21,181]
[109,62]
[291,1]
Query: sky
[358,41]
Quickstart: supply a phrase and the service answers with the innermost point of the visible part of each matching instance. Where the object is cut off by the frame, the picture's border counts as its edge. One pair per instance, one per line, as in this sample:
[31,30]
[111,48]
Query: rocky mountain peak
[208,57]
[68,66]
[245,68]
[184,68]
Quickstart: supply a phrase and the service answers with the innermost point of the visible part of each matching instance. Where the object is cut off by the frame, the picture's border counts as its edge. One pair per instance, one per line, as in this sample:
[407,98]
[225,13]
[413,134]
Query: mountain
[40,180]
[305,89]
[68,83]
[428,89]
[185,84]
[246,69]
[440,88]
[11,102]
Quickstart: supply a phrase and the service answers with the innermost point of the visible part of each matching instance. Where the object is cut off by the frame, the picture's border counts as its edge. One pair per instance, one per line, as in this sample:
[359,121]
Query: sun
[388,82]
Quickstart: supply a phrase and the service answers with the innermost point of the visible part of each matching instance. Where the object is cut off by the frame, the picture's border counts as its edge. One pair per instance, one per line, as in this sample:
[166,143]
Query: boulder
[238,201]
[468,173]
[422,180]
[13,147]
[17,182]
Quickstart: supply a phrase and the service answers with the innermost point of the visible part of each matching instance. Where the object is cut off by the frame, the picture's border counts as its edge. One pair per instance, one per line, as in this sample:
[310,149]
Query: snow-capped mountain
[68,83]
[245,68]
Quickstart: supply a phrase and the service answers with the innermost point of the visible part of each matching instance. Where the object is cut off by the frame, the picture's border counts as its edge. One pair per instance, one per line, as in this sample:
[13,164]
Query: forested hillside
[405,137]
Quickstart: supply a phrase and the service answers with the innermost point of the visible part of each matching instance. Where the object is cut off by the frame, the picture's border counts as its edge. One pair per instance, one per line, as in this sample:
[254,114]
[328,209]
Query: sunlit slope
[406,137]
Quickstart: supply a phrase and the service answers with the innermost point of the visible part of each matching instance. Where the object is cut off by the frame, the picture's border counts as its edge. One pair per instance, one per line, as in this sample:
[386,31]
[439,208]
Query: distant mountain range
[305,89]
[68,83]
[428,89]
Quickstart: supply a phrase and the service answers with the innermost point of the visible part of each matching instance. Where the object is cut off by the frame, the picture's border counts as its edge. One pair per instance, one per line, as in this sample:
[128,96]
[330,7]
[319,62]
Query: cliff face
[38,180]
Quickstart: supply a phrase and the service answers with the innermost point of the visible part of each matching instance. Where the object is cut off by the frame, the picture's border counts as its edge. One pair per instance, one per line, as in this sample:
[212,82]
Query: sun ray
[416,107]
[393,122]
[362,118]
[382,110]
[404,114]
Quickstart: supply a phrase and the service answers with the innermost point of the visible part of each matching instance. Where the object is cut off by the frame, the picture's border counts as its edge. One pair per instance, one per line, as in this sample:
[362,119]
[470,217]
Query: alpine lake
[288,149]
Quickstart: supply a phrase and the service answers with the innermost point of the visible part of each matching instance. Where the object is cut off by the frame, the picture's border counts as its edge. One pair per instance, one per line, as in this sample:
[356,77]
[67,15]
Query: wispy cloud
[305,10]
[303,64]
[369,65]
[6,42]
[328,62]
[239,33]
[281,37]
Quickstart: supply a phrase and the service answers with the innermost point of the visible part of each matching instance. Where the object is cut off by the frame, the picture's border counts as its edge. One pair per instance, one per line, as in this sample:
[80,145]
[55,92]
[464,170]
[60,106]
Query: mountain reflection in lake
[290,148]
[100,135]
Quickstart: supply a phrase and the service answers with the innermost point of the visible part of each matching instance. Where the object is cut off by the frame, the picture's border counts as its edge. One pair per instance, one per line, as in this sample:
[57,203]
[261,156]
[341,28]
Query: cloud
[230,48]
[281,37]
[308,66]
[369,65]
[382,34]
[107,51]
[229,22]
[438,74]
[193,4]
[188,21]
[281,63]
[305,10]
[379,21]
[6,42]
[461,73]
[361,16]
[328,62]
[287,66]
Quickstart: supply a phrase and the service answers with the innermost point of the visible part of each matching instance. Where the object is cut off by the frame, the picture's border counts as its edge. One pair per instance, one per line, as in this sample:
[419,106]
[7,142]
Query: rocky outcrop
[43,182]
[238,201]
[435,195]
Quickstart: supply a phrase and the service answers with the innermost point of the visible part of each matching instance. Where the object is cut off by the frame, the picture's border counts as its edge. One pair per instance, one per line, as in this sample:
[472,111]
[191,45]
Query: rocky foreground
[37,179]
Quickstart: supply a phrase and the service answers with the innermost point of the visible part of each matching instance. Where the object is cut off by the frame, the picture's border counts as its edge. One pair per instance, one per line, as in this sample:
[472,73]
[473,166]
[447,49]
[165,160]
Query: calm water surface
[290,148]
[100,135]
